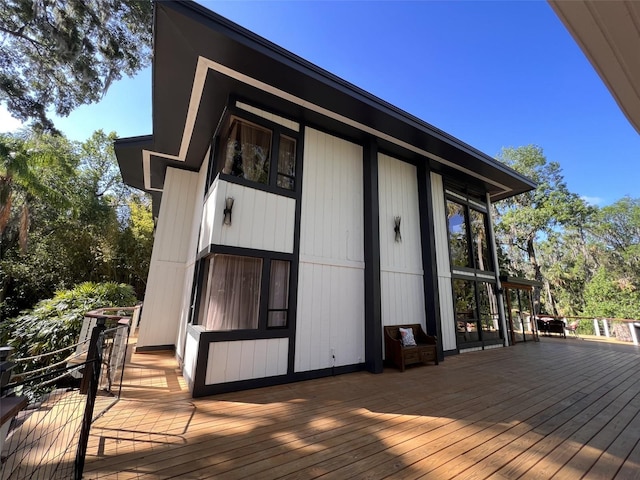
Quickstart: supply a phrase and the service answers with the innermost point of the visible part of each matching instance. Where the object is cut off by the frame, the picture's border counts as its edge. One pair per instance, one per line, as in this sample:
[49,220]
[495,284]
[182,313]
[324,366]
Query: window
[232,292]
[479,239]
[278,294]
[287,163]
[473,280]
[458,241]
[466,311]
[476,311]
[232,286]
[468,243]
[246,151]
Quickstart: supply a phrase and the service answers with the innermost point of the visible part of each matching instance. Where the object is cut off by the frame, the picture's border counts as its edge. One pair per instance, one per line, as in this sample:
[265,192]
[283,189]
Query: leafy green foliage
[55,323]
[524,221]
[610,297]
[80,224]
[64,53]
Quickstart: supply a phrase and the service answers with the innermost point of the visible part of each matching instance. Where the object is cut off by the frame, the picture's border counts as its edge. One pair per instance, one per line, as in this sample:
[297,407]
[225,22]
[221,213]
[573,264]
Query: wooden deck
[564,409]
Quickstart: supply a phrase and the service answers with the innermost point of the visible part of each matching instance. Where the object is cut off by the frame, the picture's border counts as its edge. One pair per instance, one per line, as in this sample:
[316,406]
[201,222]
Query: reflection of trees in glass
[479,239]
[488,310]
[278,294]
[465,310]
[286,163]
[247,152]
[464,298]
[458,243]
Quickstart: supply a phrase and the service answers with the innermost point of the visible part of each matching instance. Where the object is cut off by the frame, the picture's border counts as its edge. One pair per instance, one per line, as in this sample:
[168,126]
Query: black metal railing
[48,439]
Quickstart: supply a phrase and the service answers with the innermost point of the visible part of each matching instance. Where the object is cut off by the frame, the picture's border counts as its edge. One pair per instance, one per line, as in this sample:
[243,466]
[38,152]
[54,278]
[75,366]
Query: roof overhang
[201,60]
[608,32]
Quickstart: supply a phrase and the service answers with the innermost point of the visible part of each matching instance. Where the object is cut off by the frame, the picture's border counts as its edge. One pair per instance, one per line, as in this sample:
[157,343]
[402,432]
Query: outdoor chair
[573,328]
[421,348]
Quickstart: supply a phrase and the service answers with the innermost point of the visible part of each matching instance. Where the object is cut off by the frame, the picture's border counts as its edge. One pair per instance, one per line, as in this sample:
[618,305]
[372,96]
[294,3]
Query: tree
[525,220]
[85,225]
[616,233]
[611,297]
[64,53]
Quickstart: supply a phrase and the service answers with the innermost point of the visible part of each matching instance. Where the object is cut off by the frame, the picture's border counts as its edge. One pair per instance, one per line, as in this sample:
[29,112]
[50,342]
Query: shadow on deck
[554,409]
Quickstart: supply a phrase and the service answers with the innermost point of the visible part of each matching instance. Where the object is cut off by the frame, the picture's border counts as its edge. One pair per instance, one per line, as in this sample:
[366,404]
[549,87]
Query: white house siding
[401,273]
[190,354]
[448,327]
[330,314]
[246,359]
[171,248]
[185,309]
[259,220]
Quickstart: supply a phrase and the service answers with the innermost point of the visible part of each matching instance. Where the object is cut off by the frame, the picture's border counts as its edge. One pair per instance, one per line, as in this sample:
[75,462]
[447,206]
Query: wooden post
[605,325]
[596,327]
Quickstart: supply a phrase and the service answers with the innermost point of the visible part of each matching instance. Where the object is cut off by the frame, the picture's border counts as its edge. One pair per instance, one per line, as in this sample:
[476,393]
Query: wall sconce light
[228,206]
[396,228]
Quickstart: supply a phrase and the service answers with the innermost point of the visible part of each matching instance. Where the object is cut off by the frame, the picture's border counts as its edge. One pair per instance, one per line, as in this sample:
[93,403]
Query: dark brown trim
[372,288]
[156,348]
[218,388]
[295,264]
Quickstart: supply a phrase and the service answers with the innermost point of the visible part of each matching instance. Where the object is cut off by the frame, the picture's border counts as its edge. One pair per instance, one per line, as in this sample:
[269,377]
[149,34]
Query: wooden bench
[425,350]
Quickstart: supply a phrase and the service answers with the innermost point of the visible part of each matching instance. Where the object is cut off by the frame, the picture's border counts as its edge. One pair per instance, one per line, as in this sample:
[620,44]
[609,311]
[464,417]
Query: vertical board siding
[398,193]
[448,326]
[171,248]
[332,199]
[190,355]
[402,299]
[401,276]
[330,316]
[330,319]
[260,220]
[246,359]
[192,253]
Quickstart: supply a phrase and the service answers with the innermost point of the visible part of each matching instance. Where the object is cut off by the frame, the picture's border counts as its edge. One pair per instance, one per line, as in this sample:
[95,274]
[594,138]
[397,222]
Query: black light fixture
[228,206]
[396,228]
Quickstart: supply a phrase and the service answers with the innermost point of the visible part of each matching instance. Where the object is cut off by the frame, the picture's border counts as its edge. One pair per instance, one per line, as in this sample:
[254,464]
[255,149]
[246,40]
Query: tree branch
[18,34]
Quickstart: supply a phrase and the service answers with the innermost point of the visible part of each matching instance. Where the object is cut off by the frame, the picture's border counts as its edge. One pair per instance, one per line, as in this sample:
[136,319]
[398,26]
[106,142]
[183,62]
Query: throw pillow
[407,337]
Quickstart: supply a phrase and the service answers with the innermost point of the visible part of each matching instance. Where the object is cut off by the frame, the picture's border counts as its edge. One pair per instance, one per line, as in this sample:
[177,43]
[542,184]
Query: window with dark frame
[474,296]
[231,293]
[246,150]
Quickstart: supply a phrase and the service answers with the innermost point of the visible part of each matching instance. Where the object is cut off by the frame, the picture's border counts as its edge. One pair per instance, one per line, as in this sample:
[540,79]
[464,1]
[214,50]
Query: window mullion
[264,294]
[275,158]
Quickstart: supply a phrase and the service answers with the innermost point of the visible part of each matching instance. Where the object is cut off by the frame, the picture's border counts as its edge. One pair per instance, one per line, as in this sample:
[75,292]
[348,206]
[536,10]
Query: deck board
[560,407]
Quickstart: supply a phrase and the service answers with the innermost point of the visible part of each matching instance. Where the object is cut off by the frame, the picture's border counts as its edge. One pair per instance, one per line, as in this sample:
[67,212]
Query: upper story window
[252,153]
[247,151]
[468,244]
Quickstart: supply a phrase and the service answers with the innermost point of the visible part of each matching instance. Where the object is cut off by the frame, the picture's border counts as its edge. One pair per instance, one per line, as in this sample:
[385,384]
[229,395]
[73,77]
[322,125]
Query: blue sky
[492,74]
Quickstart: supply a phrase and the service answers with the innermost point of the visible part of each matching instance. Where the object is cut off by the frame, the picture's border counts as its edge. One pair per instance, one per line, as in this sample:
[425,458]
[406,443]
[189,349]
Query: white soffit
[608,32]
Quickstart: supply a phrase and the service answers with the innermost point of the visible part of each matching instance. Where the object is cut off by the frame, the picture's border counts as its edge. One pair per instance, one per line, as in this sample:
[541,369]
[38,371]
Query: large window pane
[458,243]
[489,319]
[466,312]
[479,239]
[247,151]
[232,286]
[287,163]
[278,294]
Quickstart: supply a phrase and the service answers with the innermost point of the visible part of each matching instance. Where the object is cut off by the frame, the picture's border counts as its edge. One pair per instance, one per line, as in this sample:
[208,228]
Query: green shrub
[585,327]
[55,323]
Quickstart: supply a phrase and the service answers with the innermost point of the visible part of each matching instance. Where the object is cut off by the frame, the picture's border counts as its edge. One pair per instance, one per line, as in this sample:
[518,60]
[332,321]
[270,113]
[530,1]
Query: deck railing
[48,439]
[623,329]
